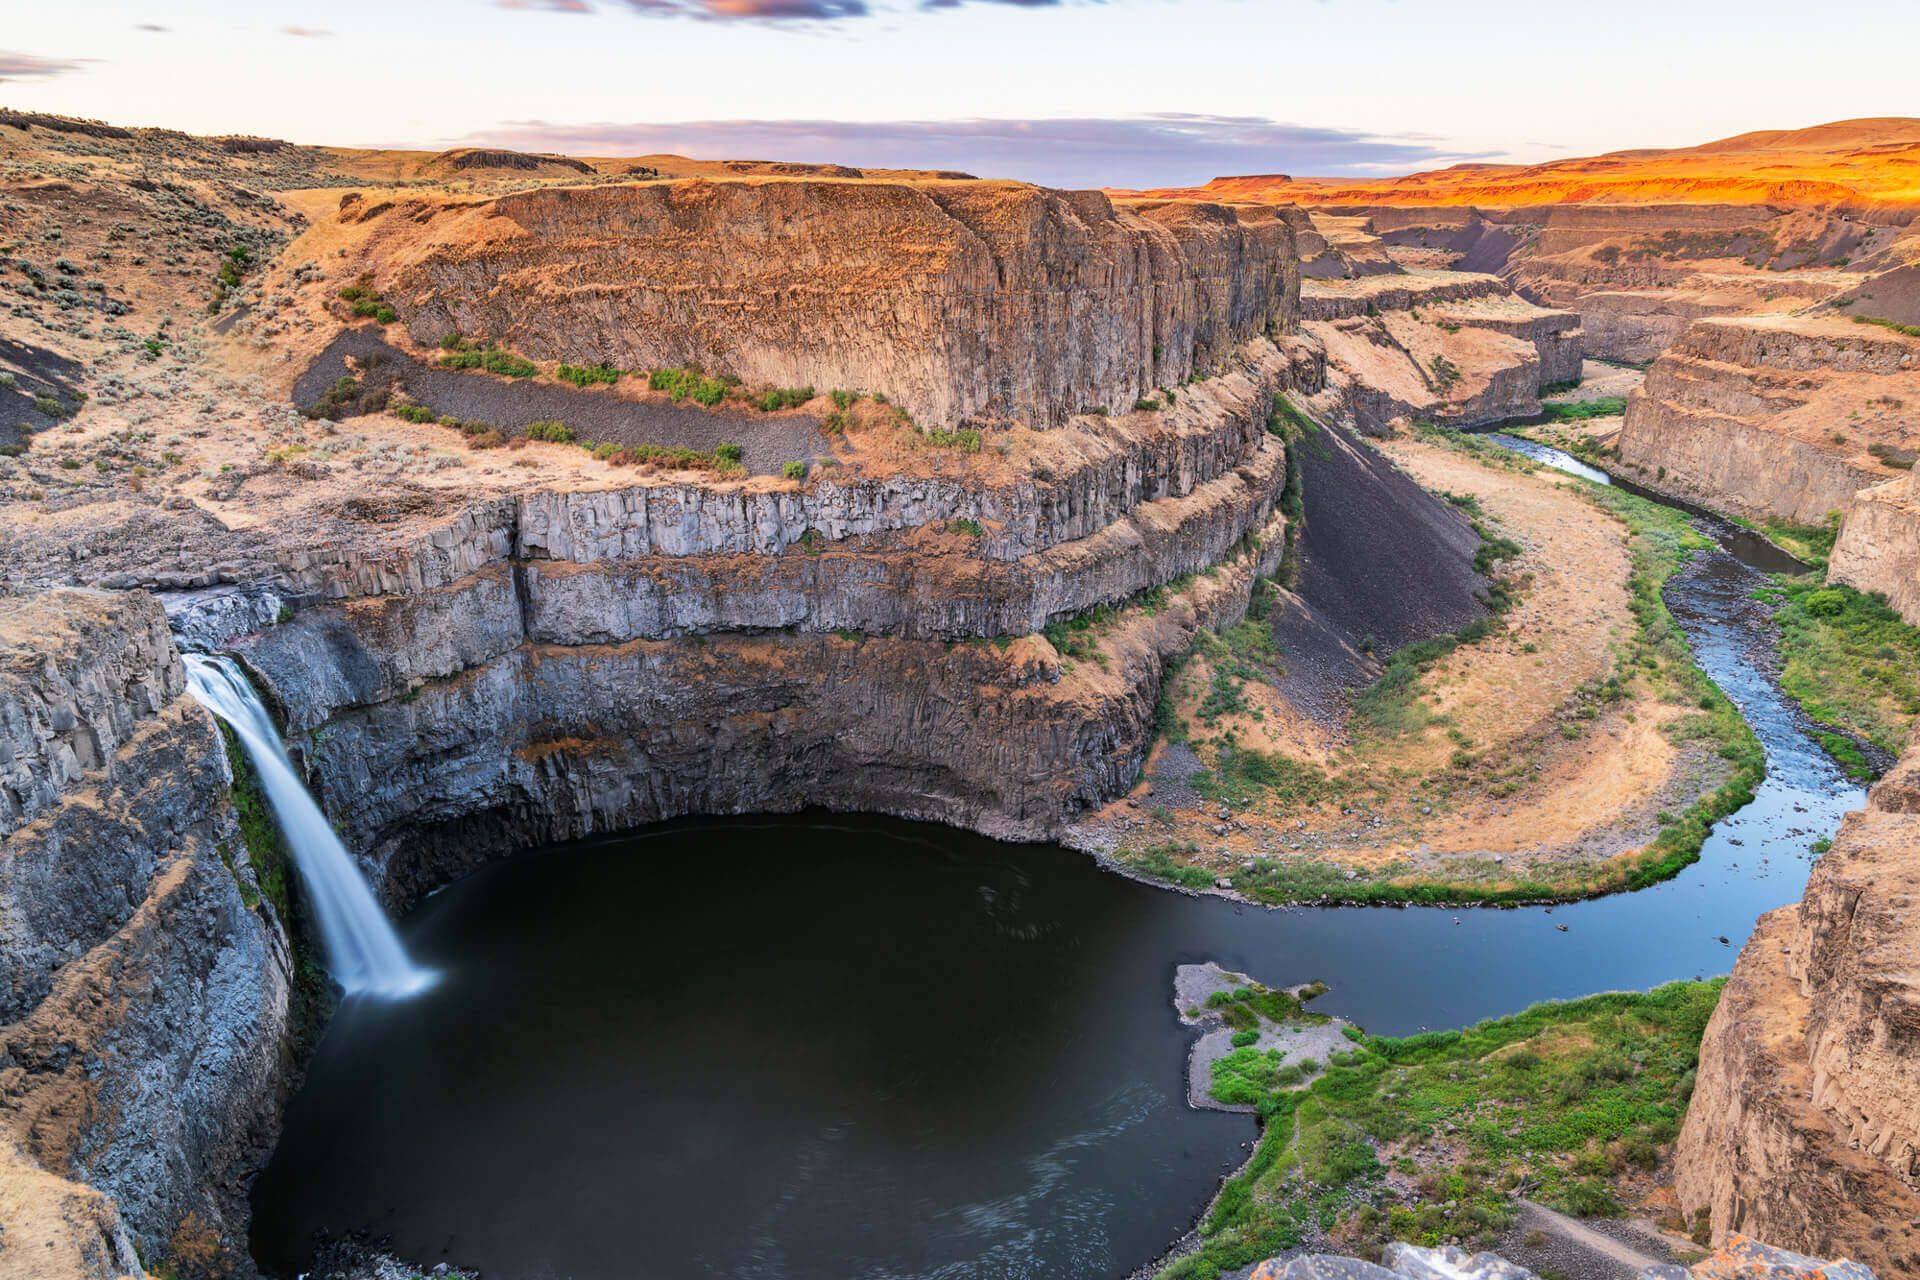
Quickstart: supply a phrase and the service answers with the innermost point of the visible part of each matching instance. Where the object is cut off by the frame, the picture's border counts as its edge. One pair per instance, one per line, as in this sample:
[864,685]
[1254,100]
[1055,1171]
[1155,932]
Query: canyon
[1004,457]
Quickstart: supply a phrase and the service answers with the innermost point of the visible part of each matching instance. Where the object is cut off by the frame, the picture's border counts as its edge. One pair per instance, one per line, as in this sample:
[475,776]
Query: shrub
[972,528]
[412,412]
[552,432]
[491,359]
[966,440]
[1144,405]
[783,398]
[1826,604]
[843,400]
[728,454]
[1589,1198]
[584,376]
[794,470]
[487,439]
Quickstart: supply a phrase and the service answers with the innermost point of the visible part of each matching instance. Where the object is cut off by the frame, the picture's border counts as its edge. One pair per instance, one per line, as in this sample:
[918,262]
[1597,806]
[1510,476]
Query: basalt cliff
[1050,461]
[1804,1129]
[937,479]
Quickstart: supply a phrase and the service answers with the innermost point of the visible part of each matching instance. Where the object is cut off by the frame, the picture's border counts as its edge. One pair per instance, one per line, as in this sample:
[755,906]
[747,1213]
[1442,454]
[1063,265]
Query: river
[856,1047]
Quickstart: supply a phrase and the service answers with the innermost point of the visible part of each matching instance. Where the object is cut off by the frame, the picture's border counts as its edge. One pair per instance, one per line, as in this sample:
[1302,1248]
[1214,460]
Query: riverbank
[1456,1135]
[1435,787]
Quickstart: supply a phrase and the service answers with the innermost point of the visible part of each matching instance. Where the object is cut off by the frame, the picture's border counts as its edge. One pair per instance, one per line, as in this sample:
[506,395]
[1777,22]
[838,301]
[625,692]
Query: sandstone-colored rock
[1774,417]
[1879,544]
[1804,1129]
[1444,346]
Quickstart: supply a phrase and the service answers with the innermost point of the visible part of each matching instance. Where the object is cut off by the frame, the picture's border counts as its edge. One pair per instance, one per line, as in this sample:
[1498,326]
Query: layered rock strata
[1442,346]
[1776,417]
[1804,1129]
[963,301]
[552,664]
[145,1003]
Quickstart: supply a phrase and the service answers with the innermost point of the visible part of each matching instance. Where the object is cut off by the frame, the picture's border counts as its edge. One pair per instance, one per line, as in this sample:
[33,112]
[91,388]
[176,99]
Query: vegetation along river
[830,1046]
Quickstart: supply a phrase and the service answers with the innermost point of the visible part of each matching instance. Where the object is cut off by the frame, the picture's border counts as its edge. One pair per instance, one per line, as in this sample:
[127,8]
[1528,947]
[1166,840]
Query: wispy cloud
[27,66]
[1141,151]
[304,32]
[150,26]
[767,11]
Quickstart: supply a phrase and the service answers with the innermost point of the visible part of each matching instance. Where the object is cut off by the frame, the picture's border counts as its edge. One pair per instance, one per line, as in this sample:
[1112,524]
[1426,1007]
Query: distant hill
[1863,163]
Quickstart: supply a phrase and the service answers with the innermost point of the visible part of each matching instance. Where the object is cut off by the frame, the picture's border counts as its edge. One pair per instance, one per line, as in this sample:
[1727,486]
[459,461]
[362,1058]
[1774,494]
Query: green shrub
[584,376]
[550,431]
[728,454]
[966,440]
[1826,604]
[411,412]
[794,470]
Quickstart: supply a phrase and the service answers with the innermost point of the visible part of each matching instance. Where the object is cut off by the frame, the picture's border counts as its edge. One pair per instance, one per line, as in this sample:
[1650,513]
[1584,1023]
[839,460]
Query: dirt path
[1575,1248]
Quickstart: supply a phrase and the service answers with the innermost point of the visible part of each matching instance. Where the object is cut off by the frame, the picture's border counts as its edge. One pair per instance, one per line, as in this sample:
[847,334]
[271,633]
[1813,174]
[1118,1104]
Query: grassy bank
[1849,660]
[1434,1137]
[1655,663]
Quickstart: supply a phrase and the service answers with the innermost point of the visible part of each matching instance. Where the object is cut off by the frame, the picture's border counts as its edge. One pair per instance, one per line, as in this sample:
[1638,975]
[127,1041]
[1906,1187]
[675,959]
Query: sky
[1126,93]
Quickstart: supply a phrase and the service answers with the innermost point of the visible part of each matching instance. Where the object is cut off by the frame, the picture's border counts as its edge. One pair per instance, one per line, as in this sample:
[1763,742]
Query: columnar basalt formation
[1776,417]
[519,671]
[1805,1127]
[144,1001]
[963,301]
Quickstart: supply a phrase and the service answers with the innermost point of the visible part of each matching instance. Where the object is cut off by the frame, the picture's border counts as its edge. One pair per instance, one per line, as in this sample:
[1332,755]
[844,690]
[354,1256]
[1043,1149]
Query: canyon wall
[551,664]
[1449,347]
[962,301]
[1804,1129]
[1879,545]
[144,1001]
[1775,417]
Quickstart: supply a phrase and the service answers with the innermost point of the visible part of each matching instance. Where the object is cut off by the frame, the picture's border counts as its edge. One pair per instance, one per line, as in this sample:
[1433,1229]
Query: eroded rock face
[545,666]
[144,1003]
[1879,544]
[1441,346]
[1805,1127]
[960,300]
[1775,417]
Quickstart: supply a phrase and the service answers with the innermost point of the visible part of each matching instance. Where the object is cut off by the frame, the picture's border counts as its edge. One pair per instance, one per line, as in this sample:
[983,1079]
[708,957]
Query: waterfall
[365,953]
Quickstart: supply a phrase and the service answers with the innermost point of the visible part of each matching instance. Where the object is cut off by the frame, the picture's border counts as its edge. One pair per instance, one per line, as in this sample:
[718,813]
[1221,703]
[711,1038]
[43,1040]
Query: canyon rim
[1458,631]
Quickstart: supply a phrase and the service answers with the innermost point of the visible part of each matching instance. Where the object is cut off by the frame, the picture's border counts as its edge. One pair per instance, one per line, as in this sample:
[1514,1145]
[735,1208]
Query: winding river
[829,1046]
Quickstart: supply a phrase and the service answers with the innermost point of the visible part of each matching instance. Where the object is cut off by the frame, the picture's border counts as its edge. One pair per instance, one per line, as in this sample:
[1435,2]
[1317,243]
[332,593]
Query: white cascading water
[365,953]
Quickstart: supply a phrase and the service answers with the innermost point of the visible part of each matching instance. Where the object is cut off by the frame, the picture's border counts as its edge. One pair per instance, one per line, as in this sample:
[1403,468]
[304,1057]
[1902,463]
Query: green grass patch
[1580,410]
[1554,1102]
[1850,661]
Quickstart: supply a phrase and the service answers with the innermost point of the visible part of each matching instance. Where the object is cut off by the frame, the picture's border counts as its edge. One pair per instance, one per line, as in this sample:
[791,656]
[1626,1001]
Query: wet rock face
[1805,1127]
[960,300]
[143,1003]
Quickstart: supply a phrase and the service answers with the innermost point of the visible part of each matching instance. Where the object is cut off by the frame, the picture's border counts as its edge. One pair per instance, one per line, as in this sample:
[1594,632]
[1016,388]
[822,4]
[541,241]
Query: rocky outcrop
[1738,1259]
[963,301]
[1775,417]
[144,1002]
[1879,544]
[1805,1126]
[1440,346]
